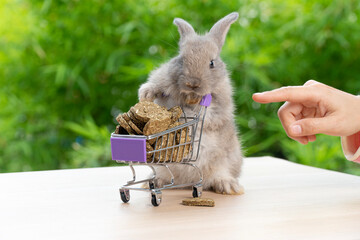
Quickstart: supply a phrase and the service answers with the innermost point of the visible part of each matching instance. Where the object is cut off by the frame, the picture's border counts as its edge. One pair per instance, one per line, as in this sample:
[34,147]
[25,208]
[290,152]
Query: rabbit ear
[185,29]
[219,30]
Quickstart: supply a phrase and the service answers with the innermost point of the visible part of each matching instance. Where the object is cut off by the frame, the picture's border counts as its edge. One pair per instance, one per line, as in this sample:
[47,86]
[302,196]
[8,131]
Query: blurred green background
[67,68]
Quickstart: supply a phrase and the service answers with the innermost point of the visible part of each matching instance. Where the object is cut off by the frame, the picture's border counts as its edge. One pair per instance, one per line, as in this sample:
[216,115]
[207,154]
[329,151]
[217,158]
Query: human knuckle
[310,82]
[317,85]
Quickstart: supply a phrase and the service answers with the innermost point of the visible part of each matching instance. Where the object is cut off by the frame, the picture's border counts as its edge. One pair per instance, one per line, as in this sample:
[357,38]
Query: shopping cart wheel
[197,190]
[125,195]
[156,198]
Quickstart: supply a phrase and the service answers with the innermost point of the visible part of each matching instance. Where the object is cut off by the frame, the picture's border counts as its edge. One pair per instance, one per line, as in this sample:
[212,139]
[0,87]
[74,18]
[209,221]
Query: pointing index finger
[296,94]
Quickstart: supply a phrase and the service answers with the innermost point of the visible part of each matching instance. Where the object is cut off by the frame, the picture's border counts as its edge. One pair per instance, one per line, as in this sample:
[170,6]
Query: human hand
[314,108]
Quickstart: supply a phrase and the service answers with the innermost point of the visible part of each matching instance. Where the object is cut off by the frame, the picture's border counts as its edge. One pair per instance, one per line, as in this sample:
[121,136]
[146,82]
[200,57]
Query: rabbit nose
[195,83]
[192,86]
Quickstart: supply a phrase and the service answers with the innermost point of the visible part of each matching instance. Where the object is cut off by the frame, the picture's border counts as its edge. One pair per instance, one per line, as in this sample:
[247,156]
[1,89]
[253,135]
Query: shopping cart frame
[132,149]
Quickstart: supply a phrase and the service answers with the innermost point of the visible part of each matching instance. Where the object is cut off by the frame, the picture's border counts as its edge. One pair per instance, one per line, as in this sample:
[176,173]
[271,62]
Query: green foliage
[69,67]
[95,152]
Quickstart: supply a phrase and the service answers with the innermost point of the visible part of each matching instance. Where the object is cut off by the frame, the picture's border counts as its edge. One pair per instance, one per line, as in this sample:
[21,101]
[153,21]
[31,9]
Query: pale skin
[314,108]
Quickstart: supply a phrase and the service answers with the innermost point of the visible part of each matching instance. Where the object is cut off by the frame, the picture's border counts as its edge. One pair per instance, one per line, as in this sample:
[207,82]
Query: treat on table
[200,202]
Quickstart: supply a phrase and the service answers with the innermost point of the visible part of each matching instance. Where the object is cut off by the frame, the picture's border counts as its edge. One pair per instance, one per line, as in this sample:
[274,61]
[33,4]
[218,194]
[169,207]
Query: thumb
[311,126]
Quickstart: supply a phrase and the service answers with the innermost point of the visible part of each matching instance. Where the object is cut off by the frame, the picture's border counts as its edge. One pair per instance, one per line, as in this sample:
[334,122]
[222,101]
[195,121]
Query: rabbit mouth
[191,98]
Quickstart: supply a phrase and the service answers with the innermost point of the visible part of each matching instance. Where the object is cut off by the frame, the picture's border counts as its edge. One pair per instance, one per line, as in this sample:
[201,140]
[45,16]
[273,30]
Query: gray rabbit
[184,80]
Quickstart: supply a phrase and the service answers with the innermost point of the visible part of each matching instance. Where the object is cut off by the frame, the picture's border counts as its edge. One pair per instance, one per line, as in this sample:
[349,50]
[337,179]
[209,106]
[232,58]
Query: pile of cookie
[148,118]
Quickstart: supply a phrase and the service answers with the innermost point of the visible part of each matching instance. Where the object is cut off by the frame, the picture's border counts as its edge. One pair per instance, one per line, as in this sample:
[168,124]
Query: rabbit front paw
[147,92]
[227,187]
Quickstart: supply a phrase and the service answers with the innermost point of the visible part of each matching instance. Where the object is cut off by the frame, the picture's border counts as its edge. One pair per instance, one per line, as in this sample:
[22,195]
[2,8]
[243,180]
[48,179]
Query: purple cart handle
[206,100]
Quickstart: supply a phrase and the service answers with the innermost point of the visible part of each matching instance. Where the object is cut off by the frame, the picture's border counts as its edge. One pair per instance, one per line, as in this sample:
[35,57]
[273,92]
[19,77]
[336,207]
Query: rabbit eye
[212,64]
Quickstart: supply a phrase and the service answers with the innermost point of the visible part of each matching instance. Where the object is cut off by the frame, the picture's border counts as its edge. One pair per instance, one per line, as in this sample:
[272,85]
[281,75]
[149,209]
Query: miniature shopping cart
[178,145]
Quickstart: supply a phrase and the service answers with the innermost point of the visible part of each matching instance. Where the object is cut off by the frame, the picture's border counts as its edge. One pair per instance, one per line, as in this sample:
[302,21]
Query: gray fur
[183,81]
[220,29]
[185,29]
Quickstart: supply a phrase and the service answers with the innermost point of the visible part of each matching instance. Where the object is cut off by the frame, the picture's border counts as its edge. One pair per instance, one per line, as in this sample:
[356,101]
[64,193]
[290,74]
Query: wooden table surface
[282,200]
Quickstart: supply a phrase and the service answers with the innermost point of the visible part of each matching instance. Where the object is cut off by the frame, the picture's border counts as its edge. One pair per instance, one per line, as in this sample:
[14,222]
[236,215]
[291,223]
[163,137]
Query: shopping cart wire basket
[177,145]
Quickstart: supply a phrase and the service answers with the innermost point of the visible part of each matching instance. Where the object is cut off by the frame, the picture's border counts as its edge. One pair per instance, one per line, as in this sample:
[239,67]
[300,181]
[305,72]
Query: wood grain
[282,200]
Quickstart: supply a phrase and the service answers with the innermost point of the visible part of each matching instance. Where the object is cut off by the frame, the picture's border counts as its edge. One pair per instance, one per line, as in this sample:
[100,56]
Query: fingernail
[296,129]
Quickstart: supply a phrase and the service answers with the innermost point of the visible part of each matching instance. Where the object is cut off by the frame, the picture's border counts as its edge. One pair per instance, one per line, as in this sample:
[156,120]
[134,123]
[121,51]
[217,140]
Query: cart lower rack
[178,145]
